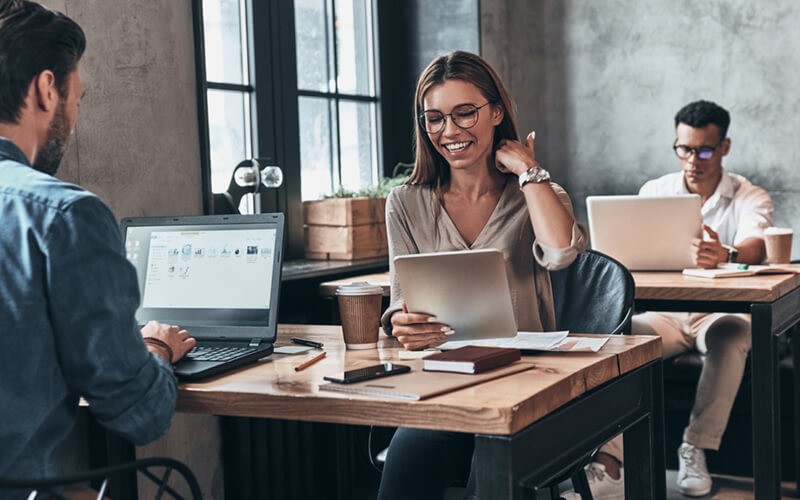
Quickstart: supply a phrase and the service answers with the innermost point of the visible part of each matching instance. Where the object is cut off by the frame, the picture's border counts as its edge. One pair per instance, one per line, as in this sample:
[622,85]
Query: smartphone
[368,373]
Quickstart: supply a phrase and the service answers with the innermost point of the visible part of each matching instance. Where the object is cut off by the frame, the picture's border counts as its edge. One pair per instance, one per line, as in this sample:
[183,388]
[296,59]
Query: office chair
[159,470]
[594,294]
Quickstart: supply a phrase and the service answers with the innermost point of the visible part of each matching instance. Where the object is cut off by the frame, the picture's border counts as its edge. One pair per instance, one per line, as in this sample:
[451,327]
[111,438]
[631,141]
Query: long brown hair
[430,168]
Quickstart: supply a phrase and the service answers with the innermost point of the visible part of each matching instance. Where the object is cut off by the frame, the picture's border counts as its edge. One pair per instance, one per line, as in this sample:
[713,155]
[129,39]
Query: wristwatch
[535,174]
[733,253]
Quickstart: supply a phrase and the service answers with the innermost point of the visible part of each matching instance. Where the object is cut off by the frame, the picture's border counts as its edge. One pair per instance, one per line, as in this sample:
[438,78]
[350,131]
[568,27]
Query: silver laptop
[217,276]
[645,233]
[467,290]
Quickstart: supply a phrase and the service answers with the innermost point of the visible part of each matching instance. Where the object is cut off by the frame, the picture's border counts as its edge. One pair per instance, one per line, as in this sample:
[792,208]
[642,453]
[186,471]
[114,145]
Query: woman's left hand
[515,157]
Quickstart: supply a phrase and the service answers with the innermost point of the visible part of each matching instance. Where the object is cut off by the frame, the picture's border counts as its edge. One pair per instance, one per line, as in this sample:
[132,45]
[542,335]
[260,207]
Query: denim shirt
[68,297]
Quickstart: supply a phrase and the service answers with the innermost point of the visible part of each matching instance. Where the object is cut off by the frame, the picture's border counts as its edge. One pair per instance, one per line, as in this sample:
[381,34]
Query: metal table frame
[509,466]
[770,320]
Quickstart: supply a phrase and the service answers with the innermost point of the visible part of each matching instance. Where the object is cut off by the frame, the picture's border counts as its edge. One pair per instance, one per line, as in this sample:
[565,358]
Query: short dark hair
[33,39]
[698,114]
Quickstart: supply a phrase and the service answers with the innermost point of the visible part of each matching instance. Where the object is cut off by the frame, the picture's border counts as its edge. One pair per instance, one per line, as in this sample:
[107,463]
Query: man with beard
[68,295]
[735,213]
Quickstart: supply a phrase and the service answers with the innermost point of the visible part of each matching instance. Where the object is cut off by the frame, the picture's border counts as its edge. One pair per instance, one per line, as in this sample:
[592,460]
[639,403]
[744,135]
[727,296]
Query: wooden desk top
[272,389]
[675,286]
[660,285]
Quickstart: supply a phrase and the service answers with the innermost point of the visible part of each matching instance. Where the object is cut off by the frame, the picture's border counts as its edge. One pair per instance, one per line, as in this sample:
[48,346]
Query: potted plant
[348,224]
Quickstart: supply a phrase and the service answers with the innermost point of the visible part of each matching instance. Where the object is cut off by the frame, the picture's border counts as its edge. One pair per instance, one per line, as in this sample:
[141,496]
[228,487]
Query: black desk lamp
[248,178]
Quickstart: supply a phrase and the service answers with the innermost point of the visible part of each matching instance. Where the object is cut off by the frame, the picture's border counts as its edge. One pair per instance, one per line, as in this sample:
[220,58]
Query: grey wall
[600,81]
[136,144]
[137,147]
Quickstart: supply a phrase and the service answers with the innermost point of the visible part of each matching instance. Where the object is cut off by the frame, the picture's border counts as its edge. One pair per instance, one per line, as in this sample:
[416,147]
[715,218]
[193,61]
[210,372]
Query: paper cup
[360,310]
[778,241]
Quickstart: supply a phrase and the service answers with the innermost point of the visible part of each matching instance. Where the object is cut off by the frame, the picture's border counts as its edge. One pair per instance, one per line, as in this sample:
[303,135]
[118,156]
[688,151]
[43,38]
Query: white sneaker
[693,477]
[603,486]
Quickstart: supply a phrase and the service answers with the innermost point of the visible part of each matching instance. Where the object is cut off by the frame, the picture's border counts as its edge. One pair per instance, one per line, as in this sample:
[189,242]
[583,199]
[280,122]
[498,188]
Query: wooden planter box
[345,228]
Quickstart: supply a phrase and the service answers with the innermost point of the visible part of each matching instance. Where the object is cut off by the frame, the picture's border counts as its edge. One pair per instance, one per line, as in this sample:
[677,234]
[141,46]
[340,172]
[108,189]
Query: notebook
[467,290]
[217,276]
[645,233]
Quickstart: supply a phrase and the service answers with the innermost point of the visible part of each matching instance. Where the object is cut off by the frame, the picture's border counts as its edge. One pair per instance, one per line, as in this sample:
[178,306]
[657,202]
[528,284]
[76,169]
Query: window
[337,102]
[229,93]
[337,96]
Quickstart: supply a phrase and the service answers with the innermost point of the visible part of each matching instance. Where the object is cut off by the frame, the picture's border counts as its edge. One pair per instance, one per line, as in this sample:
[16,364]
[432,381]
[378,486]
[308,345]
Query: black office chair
[594,294]
[159,470]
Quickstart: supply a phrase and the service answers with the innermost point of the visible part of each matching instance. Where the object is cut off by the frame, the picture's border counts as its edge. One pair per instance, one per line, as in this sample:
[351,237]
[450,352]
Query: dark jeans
[421,464]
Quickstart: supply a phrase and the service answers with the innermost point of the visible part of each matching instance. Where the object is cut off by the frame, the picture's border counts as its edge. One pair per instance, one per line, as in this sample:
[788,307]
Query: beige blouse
[412,227]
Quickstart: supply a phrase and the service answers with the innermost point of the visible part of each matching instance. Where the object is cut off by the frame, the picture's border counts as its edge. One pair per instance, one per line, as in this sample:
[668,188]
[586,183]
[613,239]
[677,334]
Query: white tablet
[467,290]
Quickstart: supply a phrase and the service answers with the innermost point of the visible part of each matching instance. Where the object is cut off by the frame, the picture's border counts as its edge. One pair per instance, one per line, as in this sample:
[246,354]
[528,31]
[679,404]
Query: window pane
[228,135]
[354,46]
[359,164]
[222,28]
[312,27]
[318,152]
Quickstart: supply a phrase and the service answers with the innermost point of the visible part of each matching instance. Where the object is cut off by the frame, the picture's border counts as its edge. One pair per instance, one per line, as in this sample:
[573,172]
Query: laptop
[646,233]
[216,276]
[467,290]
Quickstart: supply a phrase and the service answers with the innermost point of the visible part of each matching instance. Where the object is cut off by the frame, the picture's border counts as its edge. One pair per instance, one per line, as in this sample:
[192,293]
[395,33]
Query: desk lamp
[247,179]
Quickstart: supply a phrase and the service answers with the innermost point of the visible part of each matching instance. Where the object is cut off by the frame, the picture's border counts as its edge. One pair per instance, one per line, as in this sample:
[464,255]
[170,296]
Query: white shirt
[737,210]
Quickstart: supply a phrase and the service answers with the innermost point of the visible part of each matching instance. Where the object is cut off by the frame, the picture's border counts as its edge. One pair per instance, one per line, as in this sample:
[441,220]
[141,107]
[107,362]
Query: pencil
[307,363]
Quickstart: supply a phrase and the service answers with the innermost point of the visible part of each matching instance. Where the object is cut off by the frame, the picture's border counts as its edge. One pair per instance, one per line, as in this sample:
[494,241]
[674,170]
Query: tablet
[467,290]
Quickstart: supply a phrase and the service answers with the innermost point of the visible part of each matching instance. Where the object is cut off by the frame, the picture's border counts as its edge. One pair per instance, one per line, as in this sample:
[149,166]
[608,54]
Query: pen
[309,343]
[307,363]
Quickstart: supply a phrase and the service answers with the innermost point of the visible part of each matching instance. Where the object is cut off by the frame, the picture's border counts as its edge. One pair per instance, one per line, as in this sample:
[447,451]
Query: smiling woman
[475,185]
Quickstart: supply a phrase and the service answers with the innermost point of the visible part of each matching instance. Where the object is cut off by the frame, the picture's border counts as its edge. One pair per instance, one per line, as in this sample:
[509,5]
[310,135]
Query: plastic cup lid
[359,288]
[778,230]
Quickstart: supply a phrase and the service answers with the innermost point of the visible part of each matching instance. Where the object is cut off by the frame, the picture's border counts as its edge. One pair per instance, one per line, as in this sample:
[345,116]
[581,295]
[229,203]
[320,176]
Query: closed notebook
[471,359]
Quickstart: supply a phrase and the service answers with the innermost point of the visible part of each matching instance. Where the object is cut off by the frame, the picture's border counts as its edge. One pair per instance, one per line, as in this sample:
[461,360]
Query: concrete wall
[137,147]
[600,81]
[136,144]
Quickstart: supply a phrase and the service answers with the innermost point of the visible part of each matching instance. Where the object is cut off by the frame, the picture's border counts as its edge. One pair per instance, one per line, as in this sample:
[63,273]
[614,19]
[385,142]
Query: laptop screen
[214,271]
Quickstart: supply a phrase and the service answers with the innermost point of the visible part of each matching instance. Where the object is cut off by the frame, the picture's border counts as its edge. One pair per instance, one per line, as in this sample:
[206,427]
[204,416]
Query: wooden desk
[529,426]
[774,303]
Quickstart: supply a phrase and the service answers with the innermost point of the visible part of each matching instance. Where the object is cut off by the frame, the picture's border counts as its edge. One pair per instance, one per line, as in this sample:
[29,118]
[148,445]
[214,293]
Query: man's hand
[708,253]
[177,339]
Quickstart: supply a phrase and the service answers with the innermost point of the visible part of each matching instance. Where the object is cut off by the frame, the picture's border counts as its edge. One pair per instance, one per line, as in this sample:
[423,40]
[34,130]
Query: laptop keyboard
[207,353]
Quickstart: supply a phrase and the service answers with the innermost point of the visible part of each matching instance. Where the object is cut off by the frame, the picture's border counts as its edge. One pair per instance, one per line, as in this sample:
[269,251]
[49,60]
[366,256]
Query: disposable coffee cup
[778,241]
[360,310]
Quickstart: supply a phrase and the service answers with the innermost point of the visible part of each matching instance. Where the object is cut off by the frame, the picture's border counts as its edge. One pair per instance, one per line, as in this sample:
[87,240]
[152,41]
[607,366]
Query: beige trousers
[725,340]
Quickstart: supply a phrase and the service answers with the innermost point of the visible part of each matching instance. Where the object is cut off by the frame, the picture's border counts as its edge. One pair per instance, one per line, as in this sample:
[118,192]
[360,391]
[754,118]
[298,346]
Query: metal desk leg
[796,372]
[645,471]
[766,405]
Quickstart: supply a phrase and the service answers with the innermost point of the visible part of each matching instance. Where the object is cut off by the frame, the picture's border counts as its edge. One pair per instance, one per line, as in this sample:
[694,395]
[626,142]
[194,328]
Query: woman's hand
[514,157]
[177,339]
[418,330]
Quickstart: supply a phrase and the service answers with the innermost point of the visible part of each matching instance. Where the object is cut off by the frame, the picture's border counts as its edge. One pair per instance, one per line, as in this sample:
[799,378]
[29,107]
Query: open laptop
[217,276]
[467,290]
[646,233]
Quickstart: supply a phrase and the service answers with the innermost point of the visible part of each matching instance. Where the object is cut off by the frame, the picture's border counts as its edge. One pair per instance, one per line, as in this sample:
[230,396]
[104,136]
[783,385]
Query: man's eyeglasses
[464,116]
[702,152]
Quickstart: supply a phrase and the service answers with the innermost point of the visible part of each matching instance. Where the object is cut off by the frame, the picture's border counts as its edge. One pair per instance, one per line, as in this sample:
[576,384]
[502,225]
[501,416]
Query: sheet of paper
[580,344]
[528,341]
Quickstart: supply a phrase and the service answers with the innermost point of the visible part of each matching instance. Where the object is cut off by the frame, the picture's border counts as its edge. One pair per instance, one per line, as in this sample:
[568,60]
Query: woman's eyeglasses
[464,116]
[702,152]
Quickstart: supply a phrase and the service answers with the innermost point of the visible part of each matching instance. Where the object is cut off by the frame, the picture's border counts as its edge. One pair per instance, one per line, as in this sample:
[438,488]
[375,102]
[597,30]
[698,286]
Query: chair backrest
[594,294]
[170,477]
